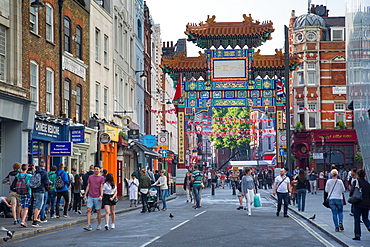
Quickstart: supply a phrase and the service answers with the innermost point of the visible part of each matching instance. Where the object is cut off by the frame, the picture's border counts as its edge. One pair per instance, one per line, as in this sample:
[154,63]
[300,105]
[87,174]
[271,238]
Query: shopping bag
[257,200]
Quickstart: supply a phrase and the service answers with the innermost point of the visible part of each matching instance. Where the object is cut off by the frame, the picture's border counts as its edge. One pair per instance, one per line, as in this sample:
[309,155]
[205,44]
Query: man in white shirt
[282,188]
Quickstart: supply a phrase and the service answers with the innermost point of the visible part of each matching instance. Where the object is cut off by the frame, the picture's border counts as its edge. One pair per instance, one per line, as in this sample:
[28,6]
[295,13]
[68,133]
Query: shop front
[17,116]
[84,147]
[47,131]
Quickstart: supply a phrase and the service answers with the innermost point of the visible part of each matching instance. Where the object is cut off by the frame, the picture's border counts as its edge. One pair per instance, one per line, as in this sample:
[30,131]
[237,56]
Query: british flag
[280,92]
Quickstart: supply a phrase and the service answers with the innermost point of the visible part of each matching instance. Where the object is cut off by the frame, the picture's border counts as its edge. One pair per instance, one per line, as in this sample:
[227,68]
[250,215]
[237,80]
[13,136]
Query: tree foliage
[235,142]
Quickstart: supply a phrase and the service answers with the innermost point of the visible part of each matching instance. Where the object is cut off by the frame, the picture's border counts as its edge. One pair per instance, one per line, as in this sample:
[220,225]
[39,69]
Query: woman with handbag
[362,206]
[335,188]
[109,200]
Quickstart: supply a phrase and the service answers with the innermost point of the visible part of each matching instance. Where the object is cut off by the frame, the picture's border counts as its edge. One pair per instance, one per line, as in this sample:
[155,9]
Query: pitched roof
[273,61]
[181,62]
[211,28]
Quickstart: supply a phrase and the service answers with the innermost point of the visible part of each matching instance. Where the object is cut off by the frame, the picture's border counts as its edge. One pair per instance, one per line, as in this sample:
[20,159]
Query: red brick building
[319,84]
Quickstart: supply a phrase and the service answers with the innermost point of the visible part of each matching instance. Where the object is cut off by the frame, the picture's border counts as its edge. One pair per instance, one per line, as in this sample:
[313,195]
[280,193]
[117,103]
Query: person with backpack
[24,191]
[38,182]
[14,197]
[52,193]
[61,185]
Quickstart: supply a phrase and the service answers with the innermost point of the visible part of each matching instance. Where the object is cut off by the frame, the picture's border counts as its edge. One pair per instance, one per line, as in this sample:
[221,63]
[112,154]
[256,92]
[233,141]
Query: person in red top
[223,177]
[94,192]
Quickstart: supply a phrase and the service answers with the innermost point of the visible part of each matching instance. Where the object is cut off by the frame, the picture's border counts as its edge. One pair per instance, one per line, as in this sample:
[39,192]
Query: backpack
[21,186]
[59,183]
[35,181]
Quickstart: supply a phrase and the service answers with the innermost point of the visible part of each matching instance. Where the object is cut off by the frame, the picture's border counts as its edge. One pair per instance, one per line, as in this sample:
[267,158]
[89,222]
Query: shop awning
[147,151]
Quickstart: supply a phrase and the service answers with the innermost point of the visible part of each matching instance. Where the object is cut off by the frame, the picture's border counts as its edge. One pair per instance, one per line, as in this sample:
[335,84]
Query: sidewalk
[324,220]
[122,206]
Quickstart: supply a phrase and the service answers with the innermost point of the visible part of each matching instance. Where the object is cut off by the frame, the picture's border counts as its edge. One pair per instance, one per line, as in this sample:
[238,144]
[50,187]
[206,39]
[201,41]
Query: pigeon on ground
[8,233]
[313,217]
[171,216]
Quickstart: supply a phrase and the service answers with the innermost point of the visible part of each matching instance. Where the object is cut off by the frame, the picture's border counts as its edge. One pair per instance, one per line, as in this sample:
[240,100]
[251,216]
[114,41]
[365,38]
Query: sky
[174,15]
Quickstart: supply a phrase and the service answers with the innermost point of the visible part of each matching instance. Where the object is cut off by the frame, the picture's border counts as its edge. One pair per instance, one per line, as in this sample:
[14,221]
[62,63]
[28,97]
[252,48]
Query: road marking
[173,228]
[200,213]
[307,228]
[151,241]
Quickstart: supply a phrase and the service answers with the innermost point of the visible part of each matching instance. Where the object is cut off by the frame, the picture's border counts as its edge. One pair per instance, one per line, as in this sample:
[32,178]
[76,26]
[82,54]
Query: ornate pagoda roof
[273,61]
[211,33]
[183,63]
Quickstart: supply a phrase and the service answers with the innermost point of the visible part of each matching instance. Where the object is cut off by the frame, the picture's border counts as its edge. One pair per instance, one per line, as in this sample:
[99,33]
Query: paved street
[217,222]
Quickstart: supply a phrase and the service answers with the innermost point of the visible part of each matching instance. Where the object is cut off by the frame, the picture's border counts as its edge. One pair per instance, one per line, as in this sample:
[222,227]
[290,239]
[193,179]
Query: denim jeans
[163,194]
[358,211]
[301,200]
[282,197]
[336,206]
[51,199]
[39,198]
[196,191]
[44,206]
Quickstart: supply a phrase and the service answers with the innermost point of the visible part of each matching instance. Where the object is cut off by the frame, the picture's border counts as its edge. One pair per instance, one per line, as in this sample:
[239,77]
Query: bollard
[234,191]
[213,189]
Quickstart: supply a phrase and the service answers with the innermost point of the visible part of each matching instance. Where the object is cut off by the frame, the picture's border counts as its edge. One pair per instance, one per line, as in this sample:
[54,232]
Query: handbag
[356,195]
[326,197]
[115,199]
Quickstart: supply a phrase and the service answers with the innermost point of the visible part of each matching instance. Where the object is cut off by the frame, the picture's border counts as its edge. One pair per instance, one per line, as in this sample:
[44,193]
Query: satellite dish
[320,10]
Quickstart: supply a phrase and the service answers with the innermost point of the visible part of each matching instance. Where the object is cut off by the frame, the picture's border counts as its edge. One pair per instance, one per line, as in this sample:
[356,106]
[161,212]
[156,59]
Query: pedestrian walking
[14,197]
[282,189]
[312,176]
[94,196]
[70,187]
[144,184]
[24,190]
[61,185]
[133,189]
[223,177]
[362,207]
[162,183]
[197,183]
[307,171]
[52,193]
[77,186]
[269,179]
[335,188]
[188,187]
[109,200]
[294,191]
[248,189]
[301,188]
[38,182]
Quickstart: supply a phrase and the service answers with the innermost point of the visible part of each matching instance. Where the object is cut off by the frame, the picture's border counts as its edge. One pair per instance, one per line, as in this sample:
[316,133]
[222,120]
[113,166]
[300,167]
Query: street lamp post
[323,137]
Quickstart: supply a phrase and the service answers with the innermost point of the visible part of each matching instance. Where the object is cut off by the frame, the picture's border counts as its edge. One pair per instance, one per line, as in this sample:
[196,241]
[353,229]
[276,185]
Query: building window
[337,34]
[78,103]
[97,93]
[49,91]
[79,42]
[49,22]
[67,97]
[34,20]
[67,34]
[139,30]
[312,116]
[2,52]
[300,78]
[311,74]
[311,36]
[97,44]
[105,99]
[34,82]
[339,112]
[106,51]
